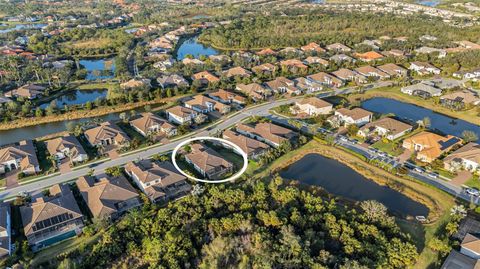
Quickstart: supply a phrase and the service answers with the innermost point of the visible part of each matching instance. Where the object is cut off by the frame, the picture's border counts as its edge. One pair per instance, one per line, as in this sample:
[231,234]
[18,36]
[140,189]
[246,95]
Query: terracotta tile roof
[369,56]
[267,51]
[433,144]
[279,82]
[266,67]
[103,195]
[323,77]
[201,101]
[345,74]
[312,47]
[293,63]
[67,141]
[106,130]
[247,144]
[148,120]
[37,215]
[316,60]
[206,158]
[226,96]
[394,126]
[205,75]
[254,90]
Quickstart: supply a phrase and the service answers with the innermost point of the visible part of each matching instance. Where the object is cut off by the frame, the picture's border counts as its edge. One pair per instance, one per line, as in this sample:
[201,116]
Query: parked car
[472,191]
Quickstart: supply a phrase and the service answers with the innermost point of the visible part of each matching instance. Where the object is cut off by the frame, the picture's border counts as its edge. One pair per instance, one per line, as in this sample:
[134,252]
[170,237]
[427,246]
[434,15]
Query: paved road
[261,110]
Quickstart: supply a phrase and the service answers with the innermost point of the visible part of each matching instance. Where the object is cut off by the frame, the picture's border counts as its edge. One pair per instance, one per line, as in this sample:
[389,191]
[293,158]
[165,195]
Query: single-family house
[421,89]
[338,47]
[208,162]
[369,56]
[203,104]
[393,70]
[227,97]
[160,181]
[266,52]
[282,85]
[466,157]
[136,83]
[306,85]
[5,230]
[429,146]
[107,196]
[348,75]
[293,65]
[256,91]
[424,68]
[181,115]
[385,127]
[313,106]
[21,156]
[357,116]
[370,71]
[151,124]
[172,80]
[265,69]
[205,77]
[67,146]
[237,71]
[340,58]
[253,148]
[326,79]
[51,219]
[28,91]
[267,132]
[316,60]
[107,133]
[460,99]
[312,47]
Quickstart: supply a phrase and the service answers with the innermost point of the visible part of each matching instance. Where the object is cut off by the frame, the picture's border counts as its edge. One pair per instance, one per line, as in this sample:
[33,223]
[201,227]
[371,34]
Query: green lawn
[388,147]
[474,182]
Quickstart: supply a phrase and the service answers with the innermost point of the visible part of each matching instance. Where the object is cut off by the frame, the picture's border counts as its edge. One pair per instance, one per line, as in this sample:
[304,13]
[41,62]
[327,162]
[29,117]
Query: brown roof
[226,96]
[368,70]
[148,120]
[472,243]
[247,144]
[279,82]
[205,75]
[237,71]
[315,60]
[106,130]
[255,90]
[264,67]
[391,69]
[67,141]
[370,55]
[315,101]
[103,195]
[28,91]
[393,125]
[267,51]
[470,151]
[323,77]
[465,96]
[201,101]
[294,63]
[37,215]
[181,111]
[24,151]
[344,73]
[206,158]
[272,132]
[355,114]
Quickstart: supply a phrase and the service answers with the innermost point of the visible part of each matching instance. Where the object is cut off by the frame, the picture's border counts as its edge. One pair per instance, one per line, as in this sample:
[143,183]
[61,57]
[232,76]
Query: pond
[413,113]
[24,27]
[77,97]
[99,69]
[191,46]
[429,3]
[339,179]
[32,132]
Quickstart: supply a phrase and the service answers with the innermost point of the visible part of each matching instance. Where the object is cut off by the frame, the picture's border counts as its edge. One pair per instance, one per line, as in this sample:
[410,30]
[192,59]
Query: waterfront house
[421,89]
[256,91]
[313,47]
[21,156]
[28,91]
[172,80]
[326,79]
[67,146]
[160,181]
[264,69]
[345,116]
[108,133]
[194,62]
[227,97]
[429,146]
[203,104]
[424,68]
[208,162]
[253,148]
[151,124]
[313,106]
[106,196]
[372,72]
[466,157]
[468,257]
[338,47]
[205,77]
[369,56]
[181,115]
[385,127]
[51,219]
[136,83]
[460,99]
[5,230]
[266,132]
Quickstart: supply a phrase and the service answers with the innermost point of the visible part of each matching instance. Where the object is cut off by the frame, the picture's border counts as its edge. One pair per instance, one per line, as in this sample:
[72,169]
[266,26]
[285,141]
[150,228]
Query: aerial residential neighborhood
[240,134]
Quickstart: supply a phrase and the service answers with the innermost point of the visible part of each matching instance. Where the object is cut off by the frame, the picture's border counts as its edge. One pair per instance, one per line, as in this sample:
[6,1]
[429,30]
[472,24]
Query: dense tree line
[327,28]
[251,225]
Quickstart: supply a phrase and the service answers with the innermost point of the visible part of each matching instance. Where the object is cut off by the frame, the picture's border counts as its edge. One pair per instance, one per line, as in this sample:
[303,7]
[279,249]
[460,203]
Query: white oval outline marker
[237,175]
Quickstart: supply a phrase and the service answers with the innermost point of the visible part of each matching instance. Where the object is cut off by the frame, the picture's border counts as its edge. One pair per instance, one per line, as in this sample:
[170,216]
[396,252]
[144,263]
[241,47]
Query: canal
[340,180]
[413,113]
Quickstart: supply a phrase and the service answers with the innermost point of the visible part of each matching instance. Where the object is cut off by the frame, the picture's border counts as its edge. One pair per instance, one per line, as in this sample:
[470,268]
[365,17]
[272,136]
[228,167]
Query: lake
[429,3]
[18,27]
[77,97]
[191,46]
[340,180]
[99,68]
[410,112]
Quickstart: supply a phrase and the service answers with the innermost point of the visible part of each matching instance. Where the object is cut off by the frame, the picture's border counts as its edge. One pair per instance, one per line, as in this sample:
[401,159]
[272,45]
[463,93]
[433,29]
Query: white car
[472,192]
